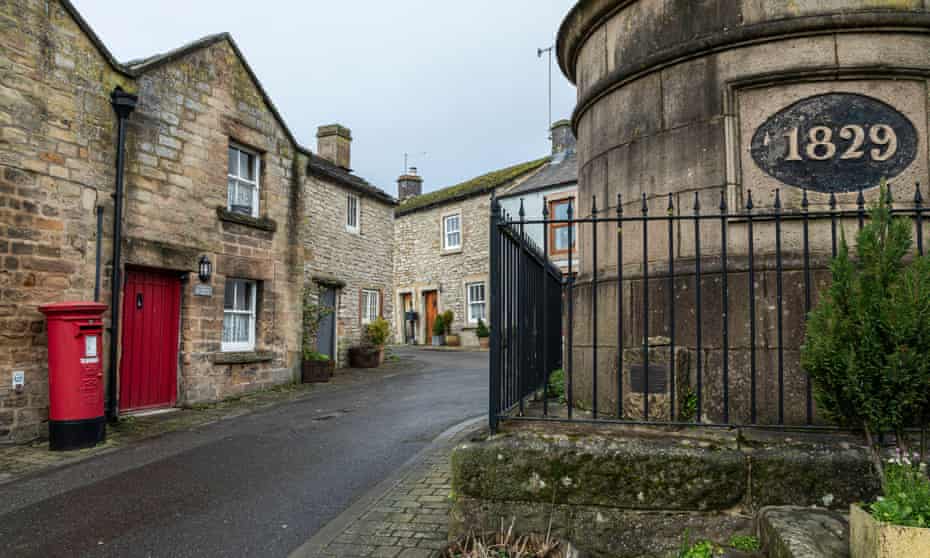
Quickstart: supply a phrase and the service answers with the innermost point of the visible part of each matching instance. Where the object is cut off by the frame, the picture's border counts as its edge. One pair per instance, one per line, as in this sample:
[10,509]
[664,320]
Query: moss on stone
[477,185]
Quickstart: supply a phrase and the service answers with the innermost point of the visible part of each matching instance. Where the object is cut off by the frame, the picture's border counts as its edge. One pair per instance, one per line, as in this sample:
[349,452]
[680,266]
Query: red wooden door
[149,364]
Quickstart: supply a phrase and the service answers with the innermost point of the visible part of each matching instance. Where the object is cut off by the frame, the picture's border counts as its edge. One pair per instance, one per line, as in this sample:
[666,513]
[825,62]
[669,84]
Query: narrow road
[258,485]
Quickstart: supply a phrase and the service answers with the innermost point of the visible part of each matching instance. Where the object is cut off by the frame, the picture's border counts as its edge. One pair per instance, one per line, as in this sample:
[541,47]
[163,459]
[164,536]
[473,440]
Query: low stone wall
[635,493]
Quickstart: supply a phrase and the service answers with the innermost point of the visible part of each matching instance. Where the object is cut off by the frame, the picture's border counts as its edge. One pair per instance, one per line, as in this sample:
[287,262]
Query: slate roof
[479,185]
[321,167]
[562,170]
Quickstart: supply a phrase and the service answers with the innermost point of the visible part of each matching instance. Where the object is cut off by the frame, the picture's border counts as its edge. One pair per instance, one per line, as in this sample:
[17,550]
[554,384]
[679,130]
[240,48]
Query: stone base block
[598,531]
[795,532]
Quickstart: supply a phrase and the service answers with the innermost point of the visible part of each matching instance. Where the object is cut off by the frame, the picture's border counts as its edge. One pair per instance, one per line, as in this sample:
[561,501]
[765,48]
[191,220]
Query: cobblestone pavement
[408,520]
[17,461]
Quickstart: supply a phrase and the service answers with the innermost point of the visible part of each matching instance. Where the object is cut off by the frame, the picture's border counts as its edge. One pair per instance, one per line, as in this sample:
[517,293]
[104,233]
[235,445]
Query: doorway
[149,365]
[430,310]
[326,337]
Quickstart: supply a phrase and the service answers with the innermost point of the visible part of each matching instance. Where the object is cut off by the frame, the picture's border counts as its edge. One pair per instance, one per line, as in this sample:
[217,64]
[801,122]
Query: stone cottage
[218,217]
[441,251]
[348,245]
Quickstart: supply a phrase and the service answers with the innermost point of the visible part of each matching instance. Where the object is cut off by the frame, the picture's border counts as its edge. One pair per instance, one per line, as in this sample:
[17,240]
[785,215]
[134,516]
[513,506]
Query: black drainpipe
[123,103]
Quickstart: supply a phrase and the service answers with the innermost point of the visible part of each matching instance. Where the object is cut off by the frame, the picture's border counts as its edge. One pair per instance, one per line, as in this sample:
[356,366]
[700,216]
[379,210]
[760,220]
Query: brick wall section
[357,261]
[57,132]
[189,110]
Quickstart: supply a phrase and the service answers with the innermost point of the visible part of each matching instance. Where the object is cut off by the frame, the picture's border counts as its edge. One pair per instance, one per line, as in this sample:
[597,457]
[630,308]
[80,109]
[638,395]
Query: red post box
[75,374]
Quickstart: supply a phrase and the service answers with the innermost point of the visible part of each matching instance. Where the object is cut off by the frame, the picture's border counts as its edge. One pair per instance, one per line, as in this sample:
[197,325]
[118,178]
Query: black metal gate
[526,317]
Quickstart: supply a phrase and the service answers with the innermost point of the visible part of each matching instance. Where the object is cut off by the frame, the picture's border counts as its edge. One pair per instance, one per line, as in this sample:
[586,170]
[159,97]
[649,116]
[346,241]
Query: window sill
[450,252]
[261,223]
[245,357]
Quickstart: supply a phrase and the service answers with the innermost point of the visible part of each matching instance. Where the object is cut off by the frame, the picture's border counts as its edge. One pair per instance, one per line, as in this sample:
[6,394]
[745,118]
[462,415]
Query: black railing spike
[522,211]
[860,200]
[832,200]
[593,205]
[777,198]
[918,198]
[723,201]
[804,202]
[697,202]
[645,205]
[545,212]
[749,204]
[571,209]
[619,204]
[888,195]
[671,204]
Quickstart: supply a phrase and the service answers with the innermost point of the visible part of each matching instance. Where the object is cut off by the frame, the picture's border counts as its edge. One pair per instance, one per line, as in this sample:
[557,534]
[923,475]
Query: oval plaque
[836,142]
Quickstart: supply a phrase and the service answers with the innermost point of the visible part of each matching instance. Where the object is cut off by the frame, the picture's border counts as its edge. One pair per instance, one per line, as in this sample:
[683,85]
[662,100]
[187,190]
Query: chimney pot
[409,185]
[334,143]
[563,139]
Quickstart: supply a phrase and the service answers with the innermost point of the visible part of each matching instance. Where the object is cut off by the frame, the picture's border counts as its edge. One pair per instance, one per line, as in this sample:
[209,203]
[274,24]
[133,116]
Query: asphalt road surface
[258,485]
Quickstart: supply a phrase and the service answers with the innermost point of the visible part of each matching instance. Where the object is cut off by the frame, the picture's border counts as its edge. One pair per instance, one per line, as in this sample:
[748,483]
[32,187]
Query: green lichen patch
[480,184]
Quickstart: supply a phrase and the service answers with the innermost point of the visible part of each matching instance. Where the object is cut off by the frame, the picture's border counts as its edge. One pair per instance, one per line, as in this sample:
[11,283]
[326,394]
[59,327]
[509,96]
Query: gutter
[123,103]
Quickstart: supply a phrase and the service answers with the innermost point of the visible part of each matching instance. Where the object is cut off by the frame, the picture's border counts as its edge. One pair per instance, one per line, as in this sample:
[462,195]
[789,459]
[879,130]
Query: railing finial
[522,212]
[697,202]
[777,199]
[723,200]
[749,204]
[645,205]
[804,202]
[671,204]
[619,204]
[918,198]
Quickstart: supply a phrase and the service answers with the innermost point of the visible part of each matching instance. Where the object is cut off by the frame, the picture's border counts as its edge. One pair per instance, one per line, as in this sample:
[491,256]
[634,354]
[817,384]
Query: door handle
[139,300]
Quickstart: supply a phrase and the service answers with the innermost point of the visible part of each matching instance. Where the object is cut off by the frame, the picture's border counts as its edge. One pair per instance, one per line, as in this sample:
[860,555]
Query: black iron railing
[711,308]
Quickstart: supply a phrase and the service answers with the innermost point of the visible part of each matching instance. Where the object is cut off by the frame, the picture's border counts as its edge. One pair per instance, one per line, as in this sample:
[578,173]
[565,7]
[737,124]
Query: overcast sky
[459,81]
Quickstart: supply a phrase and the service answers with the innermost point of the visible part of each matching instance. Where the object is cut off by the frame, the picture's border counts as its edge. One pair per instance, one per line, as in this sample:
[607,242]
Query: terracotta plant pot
[317,371]
[366,357]
[870,538]
[453,340]
[484,342]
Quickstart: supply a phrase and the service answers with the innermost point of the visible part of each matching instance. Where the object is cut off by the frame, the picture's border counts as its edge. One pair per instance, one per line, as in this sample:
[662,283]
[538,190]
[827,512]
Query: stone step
[799,532]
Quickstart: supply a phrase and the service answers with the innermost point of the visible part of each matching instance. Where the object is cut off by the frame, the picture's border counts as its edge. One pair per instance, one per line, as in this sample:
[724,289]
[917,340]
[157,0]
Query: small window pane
[561,238]
[560,210]
[246,167]
[229,295]
[236,328]
[233,162]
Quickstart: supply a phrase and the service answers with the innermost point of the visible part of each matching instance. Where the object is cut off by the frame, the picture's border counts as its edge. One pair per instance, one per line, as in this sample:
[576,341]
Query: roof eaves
[94,39]
[324,170]
[148,64]
[517,192]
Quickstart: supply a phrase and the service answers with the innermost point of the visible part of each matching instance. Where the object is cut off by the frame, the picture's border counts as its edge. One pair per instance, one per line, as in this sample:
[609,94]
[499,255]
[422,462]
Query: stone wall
[353,261]
[57,137]
[421,264]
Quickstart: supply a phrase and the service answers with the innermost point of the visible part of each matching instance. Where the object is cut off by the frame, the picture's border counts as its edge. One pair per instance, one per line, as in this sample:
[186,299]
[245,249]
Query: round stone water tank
[705,101]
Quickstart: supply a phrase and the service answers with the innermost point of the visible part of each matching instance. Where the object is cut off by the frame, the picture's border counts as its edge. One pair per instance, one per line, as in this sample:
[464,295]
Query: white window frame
[469,301]
[368,307]
[350,198]
[257,168]
[446,245]
[238,347]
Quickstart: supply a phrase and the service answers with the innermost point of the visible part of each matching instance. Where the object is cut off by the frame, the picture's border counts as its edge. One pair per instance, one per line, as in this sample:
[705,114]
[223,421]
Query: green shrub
[447,317]
[482,330]
[378,332]
[313,316]
[868,339]
[907,496]
[439,326]
[314,355]
[745,543]
[688,411]
[557,385]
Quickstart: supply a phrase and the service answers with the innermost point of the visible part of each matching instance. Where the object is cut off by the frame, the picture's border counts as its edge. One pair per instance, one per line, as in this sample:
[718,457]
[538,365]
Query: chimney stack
[409,185]
[562,137]
[334,143]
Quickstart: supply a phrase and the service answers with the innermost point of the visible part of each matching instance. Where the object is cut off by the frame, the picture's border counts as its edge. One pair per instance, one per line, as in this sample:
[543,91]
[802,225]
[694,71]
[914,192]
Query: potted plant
[315,366]
[483,334]
[439,332]
[370,353]
[452,339]
[866,351]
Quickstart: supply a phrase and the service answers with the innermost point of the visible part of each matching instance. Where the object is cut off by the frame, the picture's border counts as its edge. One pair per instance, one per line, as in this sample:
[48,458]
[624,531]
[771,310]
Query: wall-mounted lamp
[204,269]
